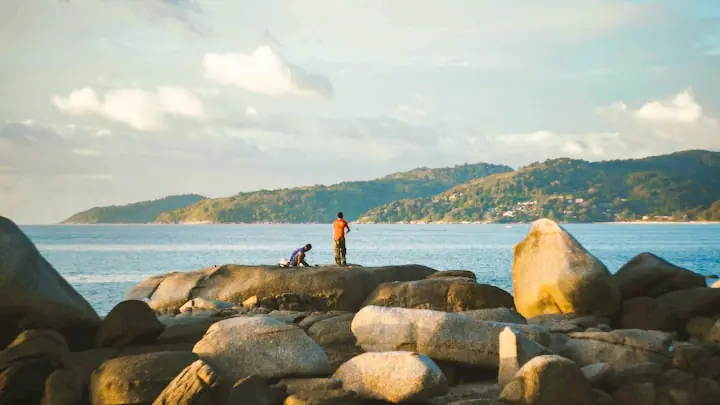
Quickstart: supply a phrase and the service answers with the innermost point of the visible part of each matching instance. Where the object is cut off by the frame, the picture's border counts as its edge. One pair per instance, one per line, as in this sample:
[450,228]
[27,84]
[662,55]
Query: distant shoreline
[389,223]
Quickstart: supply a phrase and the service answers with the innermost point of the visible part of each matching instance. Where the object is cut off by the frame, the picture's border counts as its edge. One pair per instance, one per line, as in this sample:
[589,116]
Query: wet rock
[647,275]
[392,376]
[553,273]
[36,296]
[130,323]
[439,335]
[440,294]
[262,346]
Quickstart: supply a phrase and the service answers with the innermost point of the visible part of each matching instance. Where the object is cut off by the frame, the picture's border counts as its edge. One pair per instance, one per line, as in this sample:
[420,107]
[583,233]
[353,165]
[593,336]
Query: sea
[103,262]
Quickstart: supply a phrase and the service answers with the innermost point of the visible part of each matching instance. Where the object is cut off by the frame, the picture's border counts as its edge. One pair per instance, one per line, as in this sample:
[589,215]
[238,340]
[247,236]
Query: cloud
[139,109]
[682,108]
[265,71]
[86,152]
[251,111]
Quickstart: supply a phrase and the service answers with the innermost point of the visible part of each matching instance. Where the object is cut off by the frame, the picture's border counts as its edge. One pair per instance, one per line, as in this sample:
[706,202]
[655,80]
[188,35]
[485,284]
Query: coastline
[640,222]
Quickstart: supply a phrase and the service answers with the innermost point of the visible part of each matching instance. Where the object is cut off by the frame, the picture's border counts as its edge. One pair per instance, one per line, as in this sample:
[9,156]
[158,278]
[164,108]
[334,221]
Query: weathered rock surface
[516,350]
[439,335]
[553,273]
[335,330]
[253,390]
[313,288]
[130,323]
[294,385]
[647,275]
[568,323]
[27,362]
[136,379]
[645,313]
[548,380]
[315,317]
[262,346]
[196,385]
[63,387]
[440,294]
[619,348]
[36,296]
[453,273]
[392,376]
[200,304]
[504,315]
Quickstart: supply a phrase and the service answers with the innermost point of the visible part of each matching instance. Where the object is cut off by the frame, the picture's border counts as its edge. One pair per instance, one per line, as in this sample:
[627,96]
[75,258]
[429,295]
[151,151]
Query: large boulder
[548,380]
[440,294]
[439,335]
[647,275]
[392,376]
[553,273]
[684,305]
[138,379]
[645,313]
[619,348]
[36,296]
[313,288]
[262,346]
[130,323]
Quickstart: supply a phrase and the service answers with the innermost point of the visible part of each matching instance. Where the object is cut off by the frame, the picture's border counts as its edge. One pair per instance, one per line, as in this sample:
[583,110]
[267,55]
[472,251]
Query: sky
[114,101]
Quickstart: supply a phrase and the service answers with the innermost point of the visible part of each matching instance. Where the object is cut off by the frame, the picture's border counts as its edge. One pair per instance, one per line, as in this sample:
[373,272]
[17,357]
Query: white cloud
[411,110]
[524,138]
[86,152]
[682,108]
[140,109]
[251,111]
[265,71]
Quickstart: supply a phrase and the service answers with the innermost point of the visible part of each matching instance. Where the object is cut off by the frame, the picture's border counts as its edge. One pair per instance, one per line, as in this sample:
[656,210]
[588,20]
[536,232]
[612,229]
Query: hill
[320,203]
[667,187]
[136,213]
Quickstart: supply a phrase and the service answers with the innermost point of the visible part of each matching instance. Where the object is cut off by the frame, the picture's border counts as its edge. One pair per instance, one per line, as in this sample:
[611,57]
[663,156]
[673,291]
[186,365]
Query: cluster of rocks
[570,334]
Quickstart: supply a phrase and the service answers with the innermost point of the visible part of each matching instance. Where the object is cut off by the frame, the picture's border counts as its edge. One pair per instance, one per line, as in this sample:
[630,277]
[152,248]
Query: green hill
[136,213]
[667,187]
[320,203]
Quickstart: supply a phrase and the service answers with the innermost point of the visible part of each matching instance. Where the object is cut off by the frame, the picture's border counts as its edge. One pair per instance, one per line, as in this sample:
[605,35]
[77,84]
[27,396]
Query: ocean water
[104,261]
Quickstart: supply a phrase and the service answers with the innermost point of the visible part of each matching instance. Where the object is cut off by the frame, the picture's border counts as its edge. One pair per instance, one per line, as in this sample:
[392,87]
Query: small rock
[335,330]
[392,376]
[597,374]
[313,318]
[548,380]
[516,350]
[130,323]
[253,390]
[195,385]
[636,394]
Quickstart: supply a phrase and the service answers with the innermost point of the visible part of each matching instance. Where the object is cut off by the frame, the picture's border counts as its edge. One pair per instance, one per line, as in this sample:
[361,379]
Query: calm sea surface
[104,262]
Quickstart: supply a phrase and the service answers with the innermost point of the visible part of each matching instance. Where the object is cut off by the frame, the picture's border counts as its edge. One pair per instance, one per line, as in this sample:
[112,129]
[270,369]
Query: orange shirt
[339,228]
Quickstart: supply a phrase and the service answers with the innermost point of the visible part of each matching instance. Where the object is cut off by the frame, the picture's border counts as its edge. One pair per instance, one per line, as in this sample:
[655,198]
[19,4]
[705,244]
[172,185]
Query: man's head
[307,247]
[340,215]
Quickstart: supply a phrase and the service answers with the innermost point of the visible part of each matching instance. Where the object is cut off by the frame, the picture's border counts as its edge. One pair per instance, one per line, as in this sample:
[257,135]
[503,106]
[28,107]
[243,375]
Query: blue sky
[110,102]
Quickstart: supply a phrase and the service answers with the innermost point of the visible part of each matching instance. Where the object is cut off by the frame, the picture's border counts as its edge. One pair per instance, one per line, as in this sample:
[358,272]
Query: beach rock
[684,305]
[567,323]
[146,288]
[63,387]
[295,385]
[516,350]
[504,315]
[130,323]
[253,390]
[440,294]
[201,304]
[634,374]
[475,393]
[619,348]
[647,275]
[315,317]
[597,374]
[548,380]
[196,385]
[335,330]
[453,273]
[136,379]
[636,394]
[553,273]
[262,346]
[36,296]
[438,335]
[301,289]
[392,376]
[645,313]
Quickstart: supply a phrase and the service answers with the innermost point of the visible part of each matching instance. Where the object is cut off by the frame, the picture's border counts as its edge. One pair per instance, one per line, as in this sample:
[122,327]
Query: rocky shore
[571,333]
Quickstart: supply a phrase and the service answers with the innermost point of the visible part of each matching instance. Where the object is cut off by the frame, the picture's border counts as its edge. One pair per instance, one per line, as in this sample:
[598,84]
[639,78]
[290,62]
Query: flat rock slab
[311,288]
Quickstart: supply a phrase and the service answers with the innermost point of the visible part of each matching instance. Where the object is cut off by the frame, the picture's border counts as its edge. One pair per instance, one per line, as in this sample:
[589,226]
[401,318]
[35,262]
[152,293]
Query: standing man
[339,227]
